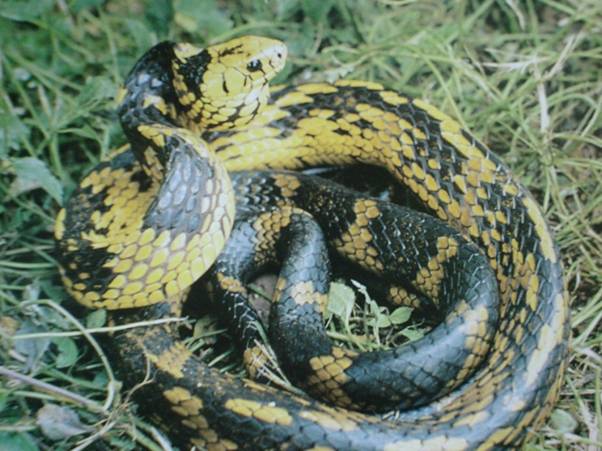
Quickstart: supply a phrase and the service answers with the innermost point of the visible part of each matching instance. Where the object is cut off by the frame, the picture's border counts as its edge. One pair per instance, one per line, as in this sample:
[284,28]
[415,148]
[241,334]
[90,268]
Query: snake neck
[147,100]
[180,88]
[150,111]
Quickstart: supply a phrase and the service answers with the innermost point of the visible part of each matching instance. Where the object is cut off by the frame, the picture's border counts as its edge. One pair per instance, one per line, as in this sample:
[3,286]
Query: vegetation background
[524,76]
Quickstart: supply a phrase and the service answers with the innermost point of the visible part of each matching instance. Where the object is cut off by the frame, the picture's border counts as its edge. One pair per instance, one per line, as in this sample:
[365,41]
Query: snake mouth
[276,56]
[258,57]
[265,63]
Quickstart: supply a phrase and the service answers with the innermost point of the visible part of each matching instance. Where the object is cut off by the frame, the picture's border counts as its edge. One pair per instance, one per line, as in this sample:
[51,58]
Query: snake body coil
[149,221]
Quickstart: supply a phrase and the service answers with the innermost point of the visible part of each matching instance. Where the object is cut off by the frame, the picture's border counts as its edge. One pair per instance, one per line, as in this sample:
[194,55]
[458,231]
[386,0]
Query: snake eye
[254,65]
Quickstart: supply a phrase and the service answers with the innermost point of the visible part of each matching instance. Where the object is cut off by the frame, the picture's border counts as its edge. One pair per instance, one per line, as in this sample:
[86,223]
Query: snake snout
[276,55]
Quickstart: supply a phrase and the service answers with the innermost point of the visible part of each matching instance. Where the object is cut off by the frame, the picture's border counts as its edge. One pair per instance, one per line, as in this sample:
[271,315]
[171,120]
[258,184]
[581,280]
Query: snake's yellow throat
[233,89]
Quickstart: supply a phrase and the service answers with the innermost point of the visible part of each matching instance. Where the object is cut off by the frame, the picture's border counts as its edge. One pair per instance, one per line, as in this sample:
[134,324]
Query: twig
[95,330]
[49,388]
[112,380]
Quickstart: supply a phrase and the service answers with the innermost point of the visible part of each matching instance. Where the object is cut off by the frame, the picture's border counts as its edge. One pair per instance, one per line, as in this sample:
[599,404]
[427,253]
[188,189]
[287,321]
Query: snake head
[225,85]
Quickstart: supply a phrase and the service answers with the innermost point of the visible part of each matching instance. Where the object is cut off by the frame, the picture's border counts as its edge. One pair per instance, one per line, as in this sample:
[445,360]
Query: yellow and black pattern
[400,245]
[130,203]
[145,242]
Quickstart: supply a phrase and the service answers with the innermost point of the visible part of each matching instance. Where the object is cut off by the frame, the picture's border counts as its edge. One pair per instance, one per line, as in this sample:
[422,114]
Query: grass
[524,76]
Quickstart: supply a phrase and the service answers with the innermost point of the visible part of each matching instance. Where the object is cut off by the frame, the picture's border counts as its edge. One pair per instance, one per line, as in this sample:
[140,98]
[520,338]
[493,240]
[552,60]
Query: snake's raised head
[225,85]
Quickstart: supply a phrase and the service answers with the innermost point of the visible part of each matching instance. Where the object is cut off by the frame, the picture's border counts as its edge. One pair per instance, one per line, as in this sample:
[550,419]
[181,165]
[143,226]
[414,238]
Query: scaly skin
[399,244]
[123,247]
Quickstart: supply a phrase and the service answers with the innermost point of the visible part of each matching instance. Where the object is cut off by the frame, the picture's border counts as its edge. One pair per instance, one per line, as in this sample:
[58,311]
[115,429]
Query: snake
[214,152]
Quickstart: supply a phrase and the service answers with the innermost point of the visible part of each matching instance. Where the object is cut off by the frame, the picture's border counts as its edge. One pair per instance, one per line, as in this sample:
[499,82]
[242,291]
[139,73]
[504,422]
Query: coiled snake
[153,218]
